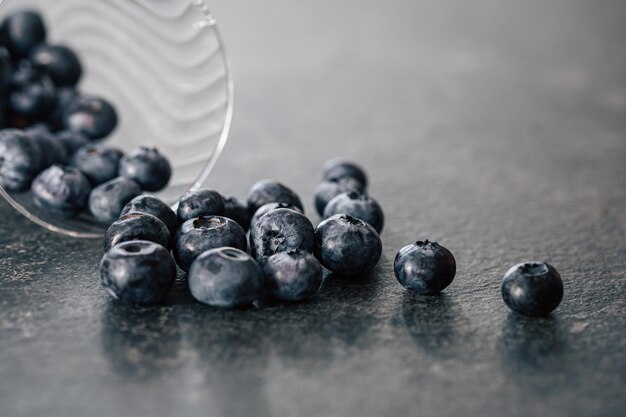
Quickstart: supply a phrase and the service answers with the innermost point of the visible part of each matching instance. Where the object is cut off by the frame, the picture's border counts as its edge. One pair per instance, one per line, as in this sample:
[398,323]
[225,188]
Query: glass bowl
[162,64]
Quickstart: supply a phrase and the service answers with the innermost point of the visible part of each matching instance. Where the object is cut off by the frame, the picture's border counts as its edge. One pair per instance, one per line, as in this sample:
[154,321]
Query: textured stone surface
[495,128]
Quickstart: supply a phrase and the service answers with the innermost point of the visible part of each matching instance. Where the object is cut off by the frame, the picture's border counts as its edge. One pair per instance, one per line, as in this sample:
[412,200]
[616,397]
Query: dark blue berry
[293,276]
[152,205]
[425,268]
[329,189]
[281,230]
[61,190]
[233,209]
[203,233]
[98,162]
[20,160]
[21,31]
[71,141]
[137,226]
[6,69]
[33,94]
[52,150]
[59,62]
[532,288]
[147,167]
[197,203]
[225,277]
[107,200]
[339,168]
[357,205]
[266,208]
[269,191]
[65,96]
[347,245]
[137,272]
[94,117]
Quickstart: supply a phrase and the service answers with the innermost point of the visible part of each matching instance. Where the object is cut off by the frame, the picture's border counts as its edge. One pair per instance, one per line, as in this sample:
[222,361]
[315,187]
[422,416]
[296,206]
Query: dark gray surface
[497,128]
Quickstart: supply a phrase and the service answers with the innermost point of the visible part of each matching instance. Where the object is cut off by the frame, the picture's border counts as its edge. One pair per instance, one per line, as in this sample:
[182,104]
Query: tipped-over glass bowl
[162,64]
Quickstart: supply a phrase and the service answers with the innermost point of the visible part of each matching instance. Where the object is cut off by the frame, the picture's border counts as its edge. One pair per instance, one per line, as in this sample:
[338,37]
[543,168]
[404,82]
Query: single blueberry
[225,277]
[339,168]
[94,117]
[32,94]
[107,200]
[20,160]
[6,69]
[137,226]
[53,151]
[21,31]
[137,272]
[152,205]
[357,205]
[98,162]
[532,288]
[61,190]
[329,189]
[347,245]
[235,210]
[266,208]
[293,275]
[65,96]
[281,230]
[147,167]
[197,203]
[203,233]
[59,62]
[71,141]
[425,268]
[270,191]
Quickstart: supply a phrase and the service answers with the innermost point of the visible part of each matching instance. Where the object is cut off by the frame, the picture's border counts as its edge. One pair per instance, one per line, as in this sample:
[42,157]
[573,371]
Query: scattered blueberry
[357,205]
[147,167]
[94,117]
[65,96]
[293,275]
[197,203]
[532,288]
[137,272]
[71,141]
[21,31]
[266,208]
[59,62]
[152,205]
[61,191]
[281,230]
[20,159]
[329,189]
[339,168]
[32,94]
[425,268]
[137,226]
[203,233]
[98,162]
[269,191]
[225,277]
[233,209]
[347,245]
[107,200]
[53,151]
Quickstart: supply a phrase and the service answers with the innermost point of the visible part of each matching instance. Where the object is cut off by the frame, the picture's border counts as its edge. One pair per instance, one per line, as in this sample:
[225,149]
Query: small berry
[329,189]
[269,191]
[197,203]
[266,208]
[20,160]
[94,117]
[152,205]
[357,205]
[99,163]
[59,62]
[147,167]
[107,200]
[21,31]
[425,268]
[340,168]
[293,275]
[137,226]
[61,190]
[532,288]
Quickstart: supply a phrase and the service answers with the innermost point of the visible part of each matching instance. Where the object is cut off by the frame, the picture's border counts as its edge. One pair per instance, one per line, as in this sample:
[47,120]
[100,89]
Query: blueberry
[98,162]
[269,191]
[94,117]
[137,272]
[203,233]
[233,209]
[357,205]
[20,159]
[53,151]
[6,69]
[266,208]
[293,275]
[532,288]
[107,200]
[225,277]
[425,268]
[280,230]
[32,94]
[137,226]
[197,203]
[65,96]
[347,245]
[329,189]
[71,141]
[61,190]
[59,62]
[147,167]
[152,205]
[21,31]
[339,168]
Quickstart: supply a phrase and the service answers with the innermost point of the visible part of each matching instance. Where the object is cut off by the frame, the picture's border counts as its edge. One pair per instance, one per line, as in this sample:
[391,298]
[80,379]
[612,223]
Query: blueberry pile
[51,137]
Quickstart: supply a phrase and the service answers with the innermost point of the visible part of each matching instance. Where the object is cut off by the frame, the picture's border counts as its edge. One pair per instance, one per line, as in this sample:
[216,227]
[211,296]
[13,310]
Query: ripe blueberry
[59,62]
[329,189]
[266,208]
[147,167]
[20,160]
[107,200]
[269,191]
[152,205]
[33,94]
[233,209]
[357,205]
[21,31]
[94,117]
[52,150]
[71,141]
[532,288]
[61,190]
[197,203]
[425,268]
[293,275]
[137,226]
[98,162]
[339,168]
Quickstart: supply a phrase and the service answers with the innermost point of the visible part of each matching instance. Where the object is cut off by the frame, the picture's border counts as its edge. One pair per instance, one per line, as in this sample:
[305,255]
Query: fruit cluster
[51,133]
